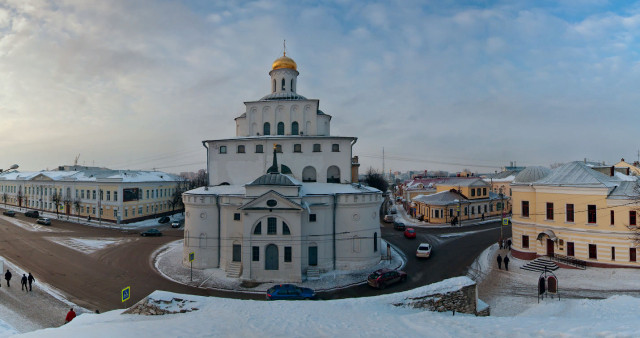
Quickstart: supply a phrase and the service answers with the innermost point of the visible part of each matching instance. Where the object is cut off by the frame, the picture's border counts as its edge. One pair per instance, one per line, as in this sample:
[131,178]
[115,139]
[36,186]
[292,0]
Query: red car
[383,277]
[410,233]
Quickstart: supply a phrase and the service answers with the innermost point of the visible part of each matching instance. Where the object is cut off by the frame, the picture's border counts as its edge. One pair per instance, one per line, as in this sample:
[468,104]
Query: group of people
[24,280]
[504,244]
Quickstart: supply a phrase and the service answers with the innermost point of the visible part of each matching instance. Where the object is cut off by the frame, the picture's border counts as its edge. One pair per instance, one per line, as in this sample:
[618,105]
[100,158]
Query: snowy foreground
[374,316]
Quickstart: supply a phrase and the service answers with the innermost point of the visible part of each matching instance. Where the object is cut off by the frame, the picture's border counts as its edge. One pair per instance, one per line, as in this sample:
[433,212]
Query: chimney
[612,171]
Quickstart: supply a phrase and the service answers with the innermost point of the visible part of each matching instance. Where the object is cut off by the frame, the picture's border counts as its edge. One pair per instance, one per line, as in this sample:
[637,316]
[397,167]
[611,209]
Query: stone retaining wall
[462,300]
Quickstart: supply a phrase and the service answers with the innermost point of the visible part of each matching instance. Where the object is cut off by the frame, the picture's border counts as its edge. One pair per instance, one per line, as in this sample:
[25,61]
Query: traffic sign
[505,221]
[125,294]
[192,256]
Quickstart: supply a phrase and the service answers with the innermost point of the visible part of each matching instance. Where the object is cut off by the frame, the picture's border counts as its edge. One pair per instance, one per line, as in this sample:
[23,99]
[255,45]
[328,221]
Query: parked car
[424,250]
[9,213]
[151,233]
[410,233]
[388,218]
[393,210]
[289,292]
[164,219]
[176,224]
[32,213]
[382,278]
[398,225]
[43,221]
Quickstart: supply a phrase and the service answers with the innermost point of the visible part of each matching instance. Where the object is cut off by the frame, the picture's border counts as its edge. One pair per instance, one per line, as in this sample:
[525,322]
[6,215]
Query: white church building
[283,201]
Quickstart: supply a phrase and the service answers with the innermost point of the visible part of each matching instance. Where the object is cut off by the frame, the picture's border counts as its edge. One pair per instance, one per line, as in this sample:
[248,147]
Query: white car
[424,250]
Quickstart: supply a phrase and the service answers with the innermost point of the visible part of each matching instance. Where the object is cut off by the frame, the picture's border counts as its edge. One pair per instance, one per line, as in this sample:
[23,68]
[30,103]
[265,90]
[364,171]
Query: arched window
[280,128]
[375,242]
[294,128]
[283,83]
[285,229]
[271,257]
[309,174]
[258,229]
[333,174]
[203,240]
[291,85]
[273,88]
[267,129]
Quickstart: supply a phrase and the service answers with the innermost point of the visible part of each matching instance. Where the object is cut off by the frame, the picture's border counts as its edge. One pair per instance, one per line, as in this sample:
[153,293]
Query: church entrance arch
[271,257]
[309,174]
[333,174]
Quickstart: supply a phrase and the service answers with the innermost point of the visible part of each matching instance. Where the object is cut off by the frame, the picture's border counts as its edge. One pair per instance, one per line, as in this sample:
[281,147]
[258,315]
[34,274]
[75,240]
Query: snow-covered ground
[169,258]
[511,294]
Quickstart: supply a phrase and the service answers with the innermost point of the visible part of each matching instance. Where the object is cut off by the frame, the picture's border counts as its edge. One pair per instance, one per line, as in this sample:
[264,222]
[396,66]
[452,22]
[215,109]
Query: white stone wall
[201,230]
[357,222]
[241,168]
[258,112]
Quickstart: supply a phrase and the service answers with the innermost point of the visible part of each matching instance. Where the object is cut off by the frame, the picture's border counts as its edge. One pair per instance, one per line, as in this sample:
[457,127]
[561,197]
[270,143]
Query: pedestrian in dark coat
[509,244]
[500,243]
[31,280]
[23,281]
[506,263]
[7,276]
[499,259]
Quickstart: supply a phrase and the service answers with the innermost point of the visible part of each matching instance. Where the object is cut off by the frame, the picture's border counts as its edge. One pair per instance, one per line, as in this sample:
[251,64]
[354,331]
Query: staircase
[234,269]
[313,273]
[539,265]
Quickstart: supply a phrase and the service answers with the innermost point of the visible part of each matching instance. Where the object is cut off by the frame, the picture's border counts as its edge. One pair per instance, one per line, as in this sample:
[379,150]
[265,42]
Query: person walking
[500,243]
[7,276]
[509,243]
[23,282]
[506,262]
[31,280]
[499,259]
[70,315]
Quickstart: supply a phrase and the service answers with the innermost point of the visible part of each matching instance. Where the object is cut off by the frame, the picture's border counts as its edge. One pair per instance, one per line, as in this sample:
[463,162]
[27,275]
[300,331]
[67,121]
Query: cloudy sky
[439,84]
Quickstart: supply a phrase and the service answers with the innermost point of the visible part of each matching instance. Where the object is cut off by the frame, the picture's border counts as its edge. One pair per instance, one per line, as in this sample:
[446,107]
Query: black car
[151,233]
[398,225]
[9,213]
[32,213]
[164,220]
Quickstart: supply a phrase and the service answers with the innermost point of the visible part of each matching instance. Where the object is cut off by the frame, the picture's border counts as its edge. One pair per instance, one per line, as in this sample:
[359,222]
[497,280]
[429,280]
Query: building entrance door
[271,257]
[313,255]
[549,247]
[237,252]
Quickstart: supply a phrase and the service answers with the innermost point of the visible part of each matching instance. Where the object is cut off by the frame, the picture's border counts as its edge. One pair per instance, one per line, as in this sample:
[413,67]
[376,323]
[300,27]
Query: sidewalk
[22,311]
[512,292]
[410,221]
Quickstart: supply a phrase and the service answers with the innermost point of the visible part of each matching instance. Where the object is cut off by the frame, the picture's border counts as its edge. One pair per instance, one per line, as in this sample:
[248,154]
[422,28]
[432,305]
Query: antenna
[382,161]
[75,161]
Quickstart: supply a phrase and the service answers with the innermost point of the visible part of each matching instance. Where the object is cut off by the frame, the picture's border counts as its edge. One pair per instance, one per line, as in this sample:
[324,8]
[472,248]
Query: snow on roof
[308,188]
[578,174]
[91,175]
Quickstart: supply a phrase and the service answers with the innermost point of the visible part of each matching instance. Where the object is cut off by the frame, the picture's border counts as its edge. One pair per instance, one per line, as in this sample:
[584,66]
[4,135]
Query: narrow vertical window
[593,251]
[550,211]
[570,213]
[525,242]
[613,253]
[283,84]
[294,128]
[291,85]
[632,218]
[632,254]
[266,129]
[273,88]
[280,128]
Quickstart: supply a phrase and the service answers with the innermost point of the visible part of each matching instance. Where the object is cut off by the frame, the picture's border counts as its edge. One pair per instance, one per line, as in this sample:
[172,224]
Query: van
[388,218]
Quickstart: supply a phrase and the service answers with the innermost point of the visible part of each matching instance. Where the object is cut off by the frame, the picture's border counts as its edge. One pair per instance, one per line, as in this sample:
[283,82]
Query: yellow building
[576,213]
[633,169]
[119,196]
[464,199]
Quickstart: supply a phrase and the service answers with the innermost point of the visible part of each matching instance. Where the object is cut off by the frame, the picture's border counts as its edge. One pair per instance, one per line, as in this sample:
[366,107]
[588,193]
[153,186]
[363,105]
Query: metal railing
[571,261]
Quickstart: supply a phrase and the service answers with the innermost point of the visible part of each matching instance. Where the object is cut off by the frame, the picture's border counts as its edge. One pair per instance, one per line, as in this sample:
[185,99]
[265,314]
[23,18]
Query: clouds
[126,82]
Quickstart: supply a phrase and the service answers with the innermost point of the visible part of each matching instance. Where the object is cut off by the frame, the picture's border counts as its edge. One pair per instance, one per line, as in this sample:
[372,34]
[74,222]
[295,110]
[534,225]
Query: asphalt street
[94,279]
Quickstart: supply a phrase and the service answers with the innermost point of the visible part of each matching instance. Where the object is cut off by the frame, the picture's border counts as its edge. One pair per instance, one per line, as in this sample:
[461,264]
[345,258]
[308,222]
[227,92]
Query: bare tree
[67,205]
[5,196]
[56,198]
[376,180]
[176,200]
[76,206]
[200,180]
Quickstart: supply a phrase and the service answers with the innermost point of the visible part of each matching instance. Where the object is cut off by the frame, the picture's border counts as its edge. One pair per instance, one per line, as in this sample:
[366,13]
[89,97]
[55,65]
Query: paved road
[93,280]
[453,251]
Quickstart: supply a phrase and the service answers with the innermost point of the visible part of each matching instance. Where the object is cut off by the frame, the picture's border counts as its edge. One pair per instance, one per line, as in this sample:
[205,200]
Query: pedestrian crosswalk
[86,245]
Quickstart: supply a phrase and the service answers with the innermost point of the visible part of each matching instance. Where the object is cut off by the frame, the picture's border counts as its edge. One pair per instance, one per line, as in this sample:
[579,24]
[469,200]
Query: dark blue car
[289,291]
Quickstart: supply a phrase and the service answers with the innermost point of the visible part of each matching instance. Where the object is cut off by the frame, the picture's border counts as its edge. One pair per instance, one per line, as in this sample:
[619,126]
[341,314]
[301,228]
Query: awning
[548,233]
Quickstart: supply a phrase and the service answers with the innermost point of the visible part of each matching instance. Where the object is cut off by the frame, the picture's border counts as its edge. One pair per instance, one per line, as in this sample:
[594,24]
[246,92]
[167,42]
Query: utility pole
[502,213]
[383,162]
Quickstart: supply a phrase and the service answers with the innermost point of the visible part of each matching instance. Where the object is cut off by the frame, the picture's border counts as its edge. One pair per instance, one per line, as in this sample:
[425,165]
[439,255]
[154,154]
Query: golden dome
[284,62]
